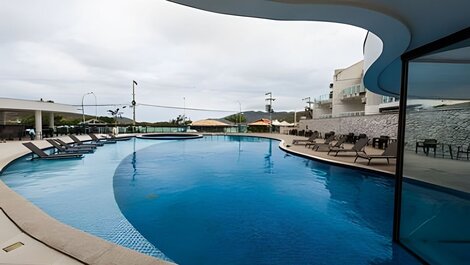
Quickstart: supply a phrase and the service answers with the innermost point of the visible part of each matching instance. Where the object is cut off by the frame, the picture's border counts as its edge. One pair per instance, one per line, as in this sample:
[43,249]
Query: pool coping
[60,237]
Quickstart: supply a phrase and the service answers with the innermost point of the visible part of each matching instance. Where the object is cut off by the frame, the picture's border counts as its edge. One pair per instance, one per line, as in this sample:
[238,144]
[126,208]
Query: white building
[349,97]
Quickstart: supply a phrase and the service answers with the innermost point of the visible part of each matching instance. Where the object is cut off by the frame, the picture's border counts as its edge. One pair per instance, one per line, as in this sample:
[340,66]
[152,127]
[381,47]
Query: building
[349,97]
[214,126]
[11,107]
[415,50]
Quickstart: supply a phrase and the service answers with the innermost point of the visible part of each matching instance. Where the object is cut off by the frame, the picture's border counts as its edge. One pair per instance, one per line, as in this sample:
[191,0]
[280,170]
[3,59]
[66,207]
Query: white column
[38,124]
[51,120]
[4,120]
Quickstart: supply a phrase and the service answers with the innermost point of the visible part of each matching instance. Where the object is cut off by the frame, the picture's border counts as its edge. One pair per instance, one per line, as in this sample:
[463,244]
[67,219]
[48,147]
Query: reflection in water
[134,160]
[268,162]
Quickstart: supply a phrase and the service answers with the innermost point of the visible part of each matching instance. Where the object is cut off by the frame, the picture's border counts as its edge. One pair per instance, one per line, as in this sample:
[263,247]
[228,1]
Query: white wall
[342,79]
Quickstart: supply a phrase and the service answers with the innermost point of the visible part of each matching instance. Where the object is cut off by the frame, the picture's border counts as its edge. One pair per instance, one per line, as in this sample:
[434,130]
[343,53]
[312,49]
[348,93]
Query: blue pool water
[238,200]
[218,200]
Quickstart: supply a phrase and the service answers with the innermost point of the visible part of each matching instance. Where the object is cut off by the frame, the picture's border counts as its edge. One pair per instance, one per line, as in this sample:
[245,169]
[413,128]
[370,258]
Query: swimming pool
[218,200]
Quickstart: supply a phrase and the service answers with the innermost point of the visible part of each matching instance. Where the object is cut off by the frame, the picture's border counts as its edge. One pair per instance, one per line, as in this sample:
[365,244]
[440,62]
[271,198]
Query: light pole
[134,83]
[309,102]
[269,108]
[184,109]
[96,106]
[83,109]
[239,115]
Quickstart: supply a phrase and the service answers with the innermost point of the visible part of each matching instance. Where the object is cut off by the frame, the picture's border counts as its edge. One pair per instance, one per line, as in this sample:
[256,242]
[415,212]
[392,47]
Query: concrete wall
[321,109]
[342,79]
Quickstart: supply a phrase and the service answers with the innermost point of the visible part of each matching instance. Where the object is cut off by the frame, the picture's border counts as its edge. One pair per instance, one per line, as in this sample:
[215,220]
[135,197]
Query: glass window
[435,209]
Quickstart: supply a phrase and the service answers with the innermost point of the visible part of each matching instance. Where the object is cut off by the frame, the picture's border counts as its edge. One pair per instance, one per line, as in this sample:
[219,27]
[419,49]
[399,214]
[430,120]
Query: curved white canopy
[396,26]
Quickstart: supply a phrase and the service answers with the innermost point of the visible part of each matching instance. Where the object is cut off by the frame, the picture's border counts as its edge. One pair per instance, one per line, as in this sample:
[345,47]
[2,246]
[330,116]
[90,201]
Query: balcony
[325,116]
[324,99]
[353,92]
[352,113]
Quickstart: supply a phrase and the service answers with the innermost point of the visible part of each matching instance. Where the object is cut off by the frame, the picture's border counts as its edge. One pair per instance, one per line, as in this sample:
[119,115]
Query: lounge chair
[327,141]
[102,140]
[358,147]
[80,143]
[338,144]
[66,145]
[63,149]
[389,153]
[41,154]
[124,138]
[312,138]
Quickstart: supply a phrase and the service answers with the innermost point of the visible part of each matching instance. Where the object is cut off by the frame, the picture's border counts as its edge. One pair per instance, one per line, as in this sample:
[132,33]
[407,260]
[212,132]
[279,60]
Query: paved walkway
[442,172]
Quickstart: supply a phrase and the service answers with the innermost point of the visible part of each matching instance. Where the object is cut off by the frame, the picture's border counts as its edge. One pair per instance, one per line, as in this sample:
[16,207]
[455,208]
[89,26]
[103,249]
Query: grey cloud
[63,49]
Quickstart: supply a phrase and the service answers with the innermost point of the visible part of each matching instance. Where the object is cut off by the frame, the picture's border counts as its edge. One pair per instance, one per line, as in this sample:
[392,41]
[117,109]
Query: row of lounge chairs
[67,151]
[358,148]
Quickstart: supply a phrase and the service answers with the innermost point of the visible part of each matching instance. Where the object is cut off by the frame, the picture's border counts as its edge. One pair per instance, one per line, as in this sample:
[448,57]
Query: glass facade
[434,212]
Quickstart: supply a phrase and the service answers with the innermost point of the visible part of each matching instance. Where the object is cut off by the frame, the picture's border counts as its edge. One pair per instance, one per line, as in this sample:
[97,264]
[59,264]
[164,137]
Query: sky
[179,56]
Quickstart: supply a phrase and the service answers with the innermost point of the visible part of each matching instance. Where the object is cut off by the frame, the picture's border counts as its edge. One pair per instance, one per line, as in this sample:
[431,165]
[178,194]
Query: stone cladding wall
[446,125]
[371,125]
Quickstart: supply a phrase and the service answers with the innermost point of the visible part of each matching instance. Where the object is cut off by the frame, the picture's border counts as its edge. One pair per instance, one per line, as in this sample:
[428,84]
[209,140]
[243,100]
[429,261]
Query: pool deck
[48,241]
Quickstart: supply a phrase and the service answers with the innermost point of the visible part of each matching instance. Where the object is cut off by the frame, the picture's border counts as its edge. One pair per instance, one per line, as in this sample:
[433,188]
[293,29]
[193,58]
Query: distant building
[213,125]
[349,97]
[261,125]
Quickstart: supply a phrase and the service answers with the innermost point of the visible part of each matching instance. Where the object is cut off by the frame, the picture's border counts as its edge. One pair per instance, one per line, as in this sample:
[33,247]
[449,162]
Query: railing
[387,99]
[352,113]
[353,91]
[325,116]
[322,99]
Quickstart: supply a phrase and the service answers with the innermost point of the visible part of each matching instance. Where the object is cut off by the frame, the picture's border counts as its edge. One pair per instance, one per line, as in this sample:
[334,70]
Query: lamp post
[309,102]
[96,106]
[134,83]
[184,110]
[239,115]
[269,108]
[83,109]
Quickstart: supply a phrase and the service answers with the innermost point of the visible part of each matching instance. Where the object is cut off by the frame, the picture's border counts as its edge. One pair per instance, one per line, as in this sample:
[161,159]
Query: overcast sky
[60,50]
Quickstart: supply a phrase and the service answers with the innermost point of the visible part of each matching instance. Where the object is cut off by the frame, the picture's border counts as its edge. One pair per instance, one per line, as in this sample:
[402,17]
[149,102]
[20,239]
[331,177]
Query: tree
[236,118]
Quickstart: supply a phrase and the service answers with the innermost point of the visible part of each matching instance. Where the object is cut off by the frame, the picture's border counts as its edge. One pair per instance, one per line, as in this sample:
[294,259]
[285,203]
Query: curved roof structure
[10,104]
[395,26]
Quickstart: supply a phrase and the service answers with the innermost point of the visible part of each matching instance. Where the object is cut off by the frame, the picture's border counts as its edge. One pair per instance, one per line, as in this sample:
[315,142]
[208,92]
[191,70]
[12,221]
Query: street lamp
[269,108]
[239,116]
[83,109]
[309,102]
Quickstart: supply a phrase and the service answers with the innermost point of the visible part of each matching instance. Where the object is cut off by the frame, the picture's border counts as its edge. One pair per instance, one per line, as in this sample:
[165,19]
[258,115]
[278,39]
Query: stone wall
[371,125]
[446,125]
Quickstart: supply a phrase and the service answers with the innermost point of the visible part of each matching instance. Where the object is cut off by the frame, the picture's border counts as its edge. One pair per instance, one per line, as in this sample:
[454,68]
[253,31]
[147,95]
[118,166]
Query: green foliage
[180,120]
[236,118]
[109,120]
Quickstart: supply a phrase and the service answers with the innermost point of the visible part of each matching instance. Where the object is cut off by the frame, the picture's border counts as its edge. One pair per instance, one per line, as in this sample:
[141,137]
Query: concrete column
[38,124]
[51,120]
[4,118]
